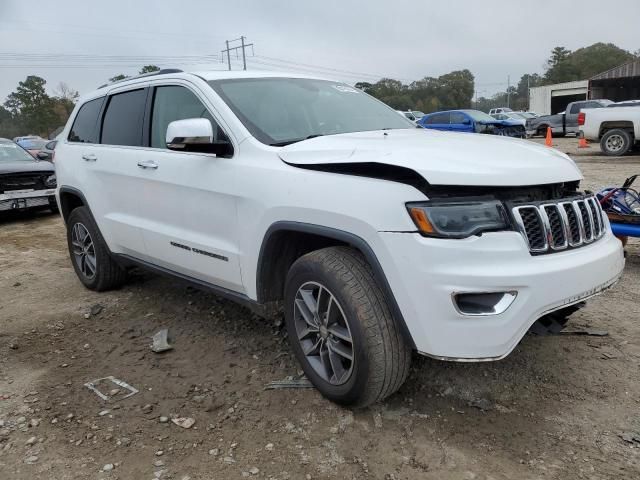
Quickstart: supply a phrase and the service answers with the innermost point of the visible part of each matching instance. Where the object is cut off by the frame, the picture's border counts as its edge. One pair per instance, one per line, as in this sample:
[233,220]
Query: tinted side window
[439,119]
[122,124]
[458,118]
[575,108]
[84,126]
[177,103]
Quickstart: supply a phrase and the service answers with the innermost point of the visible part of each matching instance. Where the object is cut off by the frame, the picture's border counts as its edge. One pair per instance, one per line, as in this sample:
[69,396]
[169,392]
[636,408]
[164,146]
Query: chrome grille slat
[556,226]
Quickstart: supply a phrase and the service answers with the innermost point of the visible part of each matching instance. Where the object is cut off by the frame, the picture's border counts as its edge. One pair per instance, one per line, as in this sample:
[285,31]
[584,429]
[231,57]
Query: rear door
[438,121]
[113,178]
[188,199]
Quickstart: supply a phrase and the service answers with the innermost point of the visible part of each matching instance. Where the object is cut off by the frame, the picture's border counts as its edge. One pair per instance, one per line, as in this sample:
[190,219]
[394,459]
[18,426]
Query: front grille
[23,181]
[551,227]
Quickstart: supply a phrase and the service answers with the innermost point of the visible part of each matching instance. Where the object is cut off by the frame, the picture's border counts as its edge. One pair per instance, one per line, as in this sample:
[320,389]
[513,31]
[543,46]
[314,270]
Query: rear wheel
[616,142]
[89,254]
[341,329]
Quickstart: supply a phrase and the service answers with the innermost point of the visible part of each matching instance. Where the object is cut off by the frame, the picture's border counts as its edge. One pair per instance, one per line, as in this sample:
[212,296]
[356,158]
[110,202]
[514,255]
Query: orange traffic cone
[549,140]
[582,143]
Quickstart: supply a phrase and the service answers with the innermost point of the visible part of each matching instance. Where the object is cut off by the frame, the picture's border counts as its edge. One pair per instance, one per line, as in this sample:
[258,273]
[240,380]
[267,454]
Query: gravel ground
[558,407]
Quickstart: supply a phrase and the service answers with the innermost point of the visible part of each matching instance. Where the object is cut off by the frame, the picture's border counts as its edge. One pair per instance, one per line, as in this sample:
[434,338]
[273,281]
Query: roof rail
[150,74]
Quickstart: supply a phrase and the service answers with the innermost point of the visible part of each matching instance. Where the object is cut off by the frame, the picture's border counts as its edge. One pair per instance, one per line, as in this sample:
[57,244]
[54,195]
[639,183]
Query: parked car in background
[564,122]
[499,110]
[617,129]
[626,103]
[472,121]
[515,116]
[26,137]
[529,114]
[418,114]
[408,115]
[35,146]
[376,238]
[48,151]
[24,181]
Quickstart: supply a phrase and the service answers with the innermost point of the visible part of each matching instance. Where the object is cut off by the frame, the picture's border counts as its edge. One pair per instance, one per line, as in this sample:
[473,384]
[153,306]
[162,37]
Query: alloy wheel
[323,333]
[615,143]
[84,253]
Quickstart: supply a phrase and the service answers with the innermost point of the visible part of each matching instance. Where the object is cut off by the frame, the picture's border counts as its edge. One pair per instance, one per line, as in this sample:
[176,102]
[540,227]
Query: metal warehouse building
[619,83]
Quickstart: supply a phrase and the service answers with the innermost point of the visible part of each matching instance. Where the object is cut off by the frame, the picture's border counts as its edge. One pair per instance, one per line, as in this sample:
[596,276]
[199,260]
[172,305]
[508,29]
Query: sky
[83,43]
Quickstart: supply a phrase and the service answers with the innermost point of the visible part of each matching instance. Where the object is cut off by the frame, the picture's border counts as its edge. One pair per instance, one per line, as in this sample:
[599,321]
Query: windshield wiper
[289,142]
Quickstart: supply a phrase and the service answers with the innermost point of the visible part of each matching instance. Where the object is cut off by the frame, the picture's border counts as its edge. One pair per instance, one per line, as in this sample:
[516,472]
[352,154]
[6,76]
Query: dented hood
[442,158]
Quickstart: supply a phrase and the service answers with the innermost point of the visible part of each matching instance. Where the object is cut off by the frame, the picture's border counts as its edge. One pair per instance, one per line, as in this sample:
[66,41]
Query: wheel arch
[71,198]
[626,125]
[284,242]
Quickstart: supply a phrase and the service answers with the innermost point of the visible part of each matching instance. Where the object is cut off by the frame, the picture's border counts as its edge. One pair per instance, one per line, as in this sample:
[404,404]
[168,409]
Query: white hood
[442,158]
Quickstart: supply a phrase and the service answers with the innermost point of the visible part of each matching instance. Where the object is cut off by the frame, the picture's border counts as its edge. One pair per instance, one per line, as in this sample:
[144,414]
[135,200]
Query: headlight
[50,182]
[458,219]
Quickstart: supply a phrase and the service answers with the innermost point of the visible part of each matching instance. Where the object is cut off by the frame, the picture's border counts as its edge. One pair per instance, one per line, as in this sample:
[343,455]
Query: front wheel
[341,329]
[615,142]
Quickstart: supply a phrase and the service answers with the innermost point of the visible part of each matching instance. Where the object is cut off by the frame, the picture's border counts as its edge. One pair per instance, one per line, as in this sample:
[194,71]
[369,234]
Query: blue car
[471,121]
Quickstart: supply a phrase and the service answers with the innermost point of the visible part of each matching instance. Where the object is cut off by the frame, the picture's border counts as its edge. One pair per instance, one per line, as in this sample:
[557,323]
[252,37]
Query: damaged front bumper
[425,275]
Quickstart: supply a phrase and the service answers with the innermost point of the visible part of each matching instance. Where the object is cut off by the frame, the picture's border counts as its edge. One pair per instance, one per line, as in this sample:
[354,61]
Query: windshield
[479,116]
[10,152]
[418,114]
[281,111]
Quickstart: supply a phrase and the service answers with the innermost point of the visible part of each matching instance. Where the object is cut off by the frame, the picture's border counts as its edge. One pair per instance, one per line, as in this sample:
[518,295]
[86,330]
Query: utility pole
[244,58]
[508,90]
[243,46]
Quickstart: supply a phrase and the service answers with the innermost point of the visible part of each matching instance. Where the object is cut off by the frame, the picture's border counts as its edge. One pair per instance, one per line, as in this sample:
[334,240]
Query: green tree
[581,64]
[149,69]
[558,55]
[32,105]
[117,78]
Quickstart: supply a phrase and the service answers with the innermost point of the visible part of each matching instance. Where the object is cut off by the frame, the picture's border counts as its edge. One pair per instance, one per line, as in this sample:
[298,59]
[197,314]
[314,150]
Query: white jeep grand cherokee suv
[376,237]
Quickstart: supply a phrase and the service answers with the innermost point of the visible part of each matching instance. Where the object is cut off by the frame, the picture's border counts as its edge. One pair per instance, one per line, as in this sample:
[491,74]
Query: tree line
[31,110]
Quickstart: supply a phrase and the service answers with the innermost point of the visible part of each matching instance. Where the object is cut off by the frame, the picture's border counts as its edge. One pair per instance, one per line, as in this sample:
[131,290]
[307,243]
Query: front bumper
[21,200]
[424,273]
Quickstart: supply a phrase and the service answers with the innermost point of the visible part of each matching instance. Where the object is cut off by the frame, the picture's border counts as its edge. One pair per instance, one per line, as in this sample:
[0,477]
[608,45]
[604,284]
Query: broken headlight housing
[458,219]
[51,181]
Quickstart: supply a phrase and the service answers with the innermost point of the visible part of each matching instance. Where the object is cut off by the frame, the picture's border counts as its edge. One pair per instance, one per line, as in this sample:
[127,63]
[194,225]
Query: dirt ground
[557,407]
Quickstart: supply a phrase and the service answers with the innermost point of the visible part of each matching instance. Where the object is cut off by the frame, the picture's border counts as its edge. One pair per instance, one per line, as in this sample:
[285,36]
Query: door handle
[90,157]
[148,164]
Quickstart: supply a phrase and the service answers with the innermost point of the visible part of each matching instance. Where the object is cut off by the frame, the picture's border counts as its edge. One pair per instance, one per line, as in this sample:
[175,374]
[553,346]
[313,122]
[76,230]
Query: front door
[187,200]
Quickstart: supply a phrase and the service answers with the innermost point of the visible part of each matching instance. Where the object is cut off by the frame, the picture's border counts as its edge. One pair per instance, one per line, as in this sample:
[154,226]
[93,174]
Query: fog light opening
[484,303]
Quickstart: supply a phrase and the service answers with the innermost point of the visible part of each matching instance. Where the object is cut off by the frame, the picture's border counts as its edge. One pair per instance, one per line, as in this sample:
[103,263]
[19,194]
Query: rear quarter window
[84,128]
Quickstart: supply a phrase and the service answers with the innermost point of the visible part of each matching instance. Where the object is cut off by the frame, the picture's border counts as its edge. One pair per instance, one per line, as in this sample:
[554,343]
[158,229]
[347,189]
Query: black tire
[381,356]
[542,131]
[53,205]
[107,273]
[616,142]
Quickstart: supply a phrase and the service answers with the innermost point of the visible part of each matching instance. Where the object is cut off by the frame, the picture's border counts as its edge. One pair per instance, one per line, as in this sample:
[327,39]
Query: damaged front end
[502,129]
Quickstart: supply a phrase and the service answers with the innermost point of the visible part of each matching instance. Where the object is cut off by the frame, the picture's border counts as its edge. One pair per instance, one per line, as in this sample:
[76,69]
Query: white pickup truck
[616,128]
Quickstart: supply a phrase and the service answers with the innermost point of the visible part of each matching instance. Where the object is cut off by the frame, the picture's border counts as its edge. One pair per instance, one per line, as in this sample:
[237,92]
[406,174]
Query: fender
[77,193]
[345,237]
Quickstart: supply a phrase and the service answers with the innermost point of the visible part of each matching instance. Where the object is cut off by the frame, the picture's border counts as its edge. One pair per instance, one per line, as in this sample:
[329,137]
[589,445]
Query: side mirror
[466,121]
[43,155]
[195,135]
